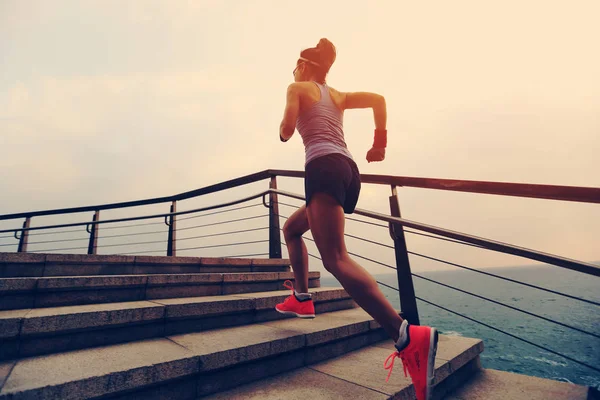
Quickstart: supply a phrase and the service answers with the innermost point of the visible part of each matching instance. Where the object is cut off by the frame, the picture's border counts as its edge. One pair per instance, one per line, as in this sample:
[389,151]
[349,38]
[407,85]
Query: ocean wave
[452,333]
[545,360]
[561,379]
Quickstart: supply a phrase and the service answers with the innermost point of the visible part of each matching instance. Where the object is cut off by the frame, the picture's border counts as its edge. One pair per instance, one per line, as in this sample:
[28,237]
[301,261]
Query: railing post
[408,302]
[274,232]
[24,236]
[94,234]
[171,247]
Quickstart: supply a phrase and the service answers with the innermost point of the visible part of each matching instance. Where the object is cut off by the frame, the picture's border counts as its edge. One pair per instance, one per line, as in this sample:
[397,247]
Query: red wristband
[380,141]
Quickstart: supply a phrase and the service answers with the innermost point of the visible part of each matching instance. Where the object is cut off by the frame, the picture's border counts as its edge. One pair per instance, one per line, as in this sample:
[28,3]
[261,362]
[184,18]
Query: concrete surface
[5,370]
[16,258]
[490,384]
[10,322]
[205,306]
[218,359]
[91,372]
[44,320]
[338,346]
[104,370]
[335,325]
[355,375]
[8,285]
[38,264]
[221,348]
[302,384]
[31,332]
[57,291]
[268,300]
[61,319]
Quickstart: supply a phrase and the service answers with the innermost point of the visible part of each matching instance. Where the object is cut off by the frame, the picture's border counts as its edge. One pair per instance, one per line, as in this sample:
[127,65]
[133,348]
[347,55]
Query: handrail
[568,263]
[157,200]
[486,243]
[151,216]
[550,192]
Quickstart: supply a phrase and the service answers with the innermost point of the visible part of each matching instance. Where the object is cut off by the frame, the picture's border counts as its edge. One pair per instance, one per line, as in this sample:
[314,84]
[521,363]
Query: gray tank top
[321,128]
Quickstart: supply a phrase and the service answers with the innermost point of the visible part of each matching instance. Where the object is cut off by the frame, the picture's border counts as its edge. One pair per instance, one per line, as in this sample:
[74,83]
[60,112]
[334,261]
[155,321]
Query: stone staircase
[122,327]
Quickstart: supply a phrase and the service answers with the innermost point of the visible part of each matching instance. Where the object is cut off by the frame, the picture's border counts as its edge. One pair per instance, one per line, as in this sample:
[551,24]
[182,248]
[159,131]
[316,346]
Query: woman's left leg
[293,229]
[326,220]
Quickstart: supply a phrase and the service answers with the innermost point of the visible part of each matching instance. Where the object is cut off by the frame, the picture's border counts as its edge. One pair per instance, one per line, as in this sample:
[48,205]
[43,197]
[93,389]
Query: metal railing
[395,224]
[414,316]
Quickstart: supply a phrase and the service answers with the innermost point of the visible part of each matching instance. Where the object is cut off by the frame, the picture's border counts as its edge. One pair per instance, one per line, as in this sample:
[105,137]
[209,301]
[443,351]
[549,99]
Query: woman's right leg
[327,221]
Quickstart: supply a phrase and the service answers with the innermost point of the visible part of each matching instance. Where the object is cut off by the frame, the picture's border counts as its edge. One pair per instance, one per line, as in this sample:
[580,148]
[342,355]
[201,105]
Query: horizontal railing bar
[220,222]
[554,321]
[128,234]
[112,221]
[387,227]
[504,278]
[136,243]
[223,245]
[548,192]
[157,200]
[73,210]
[222,234]
[61,249]
[133,243]
[134,225]
[201,247]
[53,241]
[218,212]
[244,180]
[486,243]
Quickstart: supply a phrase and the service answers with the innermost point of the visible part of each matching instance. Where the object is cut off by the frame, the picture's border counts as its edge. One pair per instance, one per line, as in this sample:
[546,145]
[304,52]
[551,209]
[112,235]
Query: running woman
[332,186]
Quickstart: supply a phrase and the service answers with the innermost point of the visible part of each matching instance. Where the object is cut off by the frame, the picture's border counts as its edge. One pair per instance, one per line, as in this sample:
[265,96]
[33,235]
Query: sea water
[503,352]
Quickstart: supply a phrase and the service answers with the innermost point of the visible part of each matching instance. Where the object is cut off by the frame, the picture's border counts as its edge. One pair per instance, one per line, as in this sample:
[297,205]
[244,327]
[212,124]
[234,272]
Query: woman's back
[320,121]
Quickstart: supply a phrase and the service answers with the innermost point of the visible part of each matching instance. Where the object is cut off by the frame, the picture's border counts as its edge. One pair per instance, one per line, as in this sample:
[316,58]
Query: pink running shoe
[418,358]
[293,306]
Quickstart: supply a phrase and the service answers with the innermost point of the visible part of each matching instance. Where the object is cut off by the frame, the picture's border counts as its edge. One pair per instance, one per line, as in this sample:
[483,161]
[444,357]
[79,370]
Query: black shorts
[336,175]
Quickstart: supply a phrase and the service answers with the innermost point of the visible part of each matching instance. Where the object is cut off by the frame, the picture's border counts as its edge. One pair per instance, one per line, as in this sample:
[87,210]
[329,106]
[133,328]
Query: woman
[332,186]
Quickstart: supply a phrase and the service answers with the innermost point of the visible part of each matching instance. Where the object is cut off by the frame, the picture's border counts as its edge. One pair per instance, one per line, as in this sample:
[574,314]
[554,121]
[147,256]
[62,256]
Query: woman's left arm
[292,108]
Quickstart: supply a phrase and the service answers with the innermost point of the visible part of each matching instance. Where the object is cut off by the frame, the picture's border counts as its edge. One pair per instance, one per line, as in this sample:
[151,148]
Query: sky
[108,101]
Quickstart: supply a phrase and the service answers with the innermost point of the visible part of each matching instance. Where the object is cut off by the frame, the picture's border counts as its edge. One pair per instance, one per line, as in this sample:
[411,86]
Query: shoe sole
[433,340]
[307,316]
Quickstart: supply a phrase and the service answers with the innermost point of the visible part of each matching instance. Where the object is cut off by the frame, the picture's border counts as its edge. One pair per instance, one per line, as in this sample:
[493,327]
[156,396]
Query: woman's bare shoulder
[338,97]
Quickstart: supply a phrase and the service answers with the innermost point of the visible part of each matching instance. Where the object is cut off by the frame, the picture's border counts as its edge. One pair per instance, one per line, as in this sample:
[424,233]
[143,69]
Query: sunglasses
[297,66]
[303,61]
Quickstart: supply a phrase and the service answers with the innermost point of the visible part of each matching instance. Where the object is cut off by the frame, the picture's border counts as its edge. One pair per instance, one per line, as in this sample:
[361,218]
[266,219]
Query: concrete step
[34,292]
[189,365]
[489,384]
[30,332]
[360,375]
[37,264]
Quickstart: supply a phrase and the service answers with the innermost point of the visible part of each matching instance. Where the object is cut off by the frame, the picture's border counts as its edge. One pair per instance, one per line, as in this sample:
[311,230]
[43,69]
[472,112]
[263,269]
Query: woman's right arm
[368,100]
[377,103]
